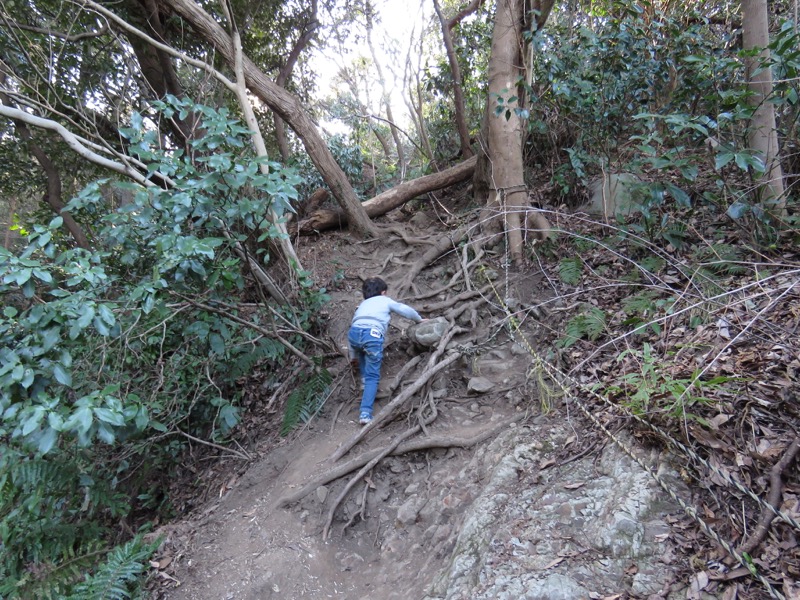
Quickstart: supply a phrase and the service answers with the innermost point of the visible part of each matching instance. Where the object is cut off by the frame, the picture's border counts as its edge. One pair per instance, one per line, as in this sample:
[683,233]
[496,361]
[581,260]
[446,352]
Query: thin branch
[58,34]
[74,142]
[243,455]
[774,498]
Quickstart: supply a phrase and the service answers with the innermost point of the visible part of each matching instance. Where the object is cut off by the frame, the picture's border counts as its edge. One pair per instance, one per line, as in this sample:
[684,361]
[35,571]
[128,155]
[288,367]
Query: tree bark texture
[763,136]
[288,107]
[321,220]
[501,167]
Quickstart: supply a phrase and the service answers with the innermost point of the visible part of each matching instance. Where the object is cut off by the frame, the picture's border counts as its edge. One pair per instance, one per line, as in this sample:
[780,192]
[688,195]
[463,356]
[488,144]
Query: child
[366,337]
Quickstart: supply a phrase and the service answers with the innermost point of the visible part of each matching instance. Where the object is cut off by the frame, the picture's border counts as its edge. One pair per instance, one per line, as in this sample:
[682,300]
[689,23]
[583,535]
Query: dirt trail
[400,533]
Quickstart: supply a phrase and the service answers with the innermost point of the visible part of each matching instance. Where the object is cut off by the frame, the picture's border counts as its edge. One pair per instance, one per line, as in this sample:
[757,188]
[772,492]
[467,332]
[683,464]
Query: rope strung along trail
[559,377]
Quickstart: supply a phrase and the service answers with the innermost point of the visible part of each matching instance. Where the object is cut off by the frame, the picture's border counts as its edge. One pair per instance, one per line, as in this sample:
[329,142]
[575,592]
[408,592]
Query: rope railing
[559,378]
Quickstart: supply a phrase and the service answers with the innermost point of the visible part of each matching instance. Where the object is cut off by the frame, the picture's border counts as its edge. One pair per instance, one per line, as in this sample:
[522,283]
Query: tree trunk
[288,107]
[455,70]
[763,136]
[321,220]
[157,66]
[414,103]
[54,188]
[501,167]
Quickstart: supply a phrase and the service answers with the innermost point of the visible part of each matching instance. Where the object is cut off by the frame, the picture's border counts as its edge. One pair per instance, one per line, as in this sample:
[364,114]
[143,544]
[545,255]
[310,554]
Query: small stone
[407,513]
[412,489]
[479,385]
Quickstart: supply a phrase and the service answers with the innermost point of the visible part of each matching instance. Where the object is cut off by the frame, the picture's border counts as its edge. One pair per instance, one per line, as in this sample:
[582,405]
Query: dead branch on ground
[321,220]
[774,499]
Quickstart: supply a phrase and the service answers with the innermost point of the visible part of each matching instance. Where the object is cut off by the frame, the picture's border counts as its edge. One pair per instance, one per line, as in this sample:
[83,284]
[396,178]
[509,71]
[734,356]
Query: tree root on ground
[363,507]
[431,369]
[442,245]
[450,302]
[366,468]
[398,379]
[428,443]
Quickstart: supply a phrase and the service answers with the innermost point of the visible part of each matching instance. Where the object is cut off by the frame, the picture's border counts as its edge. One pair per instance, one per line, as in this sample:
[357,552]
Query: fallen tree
[322,219]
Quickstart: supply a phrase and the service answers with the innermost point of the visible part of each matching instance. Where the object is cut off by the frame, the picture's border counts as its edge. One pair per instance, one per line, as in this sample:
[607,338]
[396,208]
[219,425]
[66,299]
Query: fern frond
[305,400]
[595,323]
[640,304]
[570,269]
[723,259]
[118,577]
[589,324]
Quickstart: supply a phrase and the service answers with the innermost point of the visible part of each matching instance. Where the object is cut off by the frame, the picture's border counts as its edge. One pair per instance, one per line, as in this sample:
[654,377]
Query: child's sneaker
[365,419]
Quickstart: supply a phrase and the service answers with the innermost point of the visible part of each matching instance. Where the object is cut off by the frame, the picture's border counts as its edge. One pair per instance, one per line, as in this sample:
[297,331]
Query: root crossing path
[460,489]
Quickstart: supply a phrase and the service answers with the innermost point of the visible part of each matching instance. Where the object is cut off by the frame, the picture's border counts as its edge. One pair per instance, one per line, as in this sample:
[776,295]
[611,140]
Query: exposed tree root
[774,499]
[366,468]
[401,232]
[431,369]
[454,300]
[428,443]
[362,508]
[398,379]
[443,244]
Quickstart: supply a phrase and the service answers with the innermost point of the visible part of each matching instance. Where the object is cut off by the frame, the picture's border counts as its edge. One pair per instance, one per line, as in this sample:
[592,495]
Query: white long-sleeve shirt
[377,312]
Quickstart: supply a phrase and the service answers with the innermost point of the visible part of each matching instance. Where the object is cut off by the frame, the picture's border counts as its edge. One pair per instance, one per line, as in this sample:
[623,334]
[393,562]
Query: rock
[479,385]
[614,195]
[508,543]
[428,333]
[412,489]
[407,513]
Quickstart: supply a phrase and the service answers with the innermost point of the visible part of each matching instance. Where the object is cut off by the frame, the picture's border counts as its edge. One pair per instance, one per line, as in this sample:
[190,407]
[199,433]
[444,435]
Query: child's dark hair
[374,286]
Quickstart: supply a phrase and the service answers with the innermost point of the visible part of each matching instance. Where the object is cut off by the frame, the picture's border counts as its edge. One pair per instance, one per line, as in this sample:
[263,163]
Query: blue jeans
[367,345]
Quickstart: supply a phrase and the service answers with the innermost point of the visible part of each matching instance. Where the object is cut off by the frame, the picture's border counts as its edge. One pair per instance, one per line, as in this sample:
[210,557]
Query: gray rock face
[428,333]
[597,536]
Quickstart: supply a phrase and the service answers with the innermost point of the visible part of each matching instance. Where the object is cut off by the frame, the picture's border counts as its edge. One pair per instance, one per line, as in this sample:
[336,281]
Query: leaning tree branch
[439,441]
[67,37]
[74,142]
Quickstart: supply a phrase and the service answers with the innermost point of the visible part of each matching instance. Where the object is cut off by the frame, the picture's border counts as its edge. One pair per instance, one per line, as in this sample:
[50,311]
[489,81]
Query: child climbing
[365,338]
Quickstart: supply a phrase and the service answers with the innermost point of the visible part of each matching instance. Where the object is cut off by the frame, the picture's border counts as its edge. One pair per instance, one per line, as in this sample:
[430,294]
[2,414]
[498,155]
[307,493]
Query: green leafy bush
[108,356]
